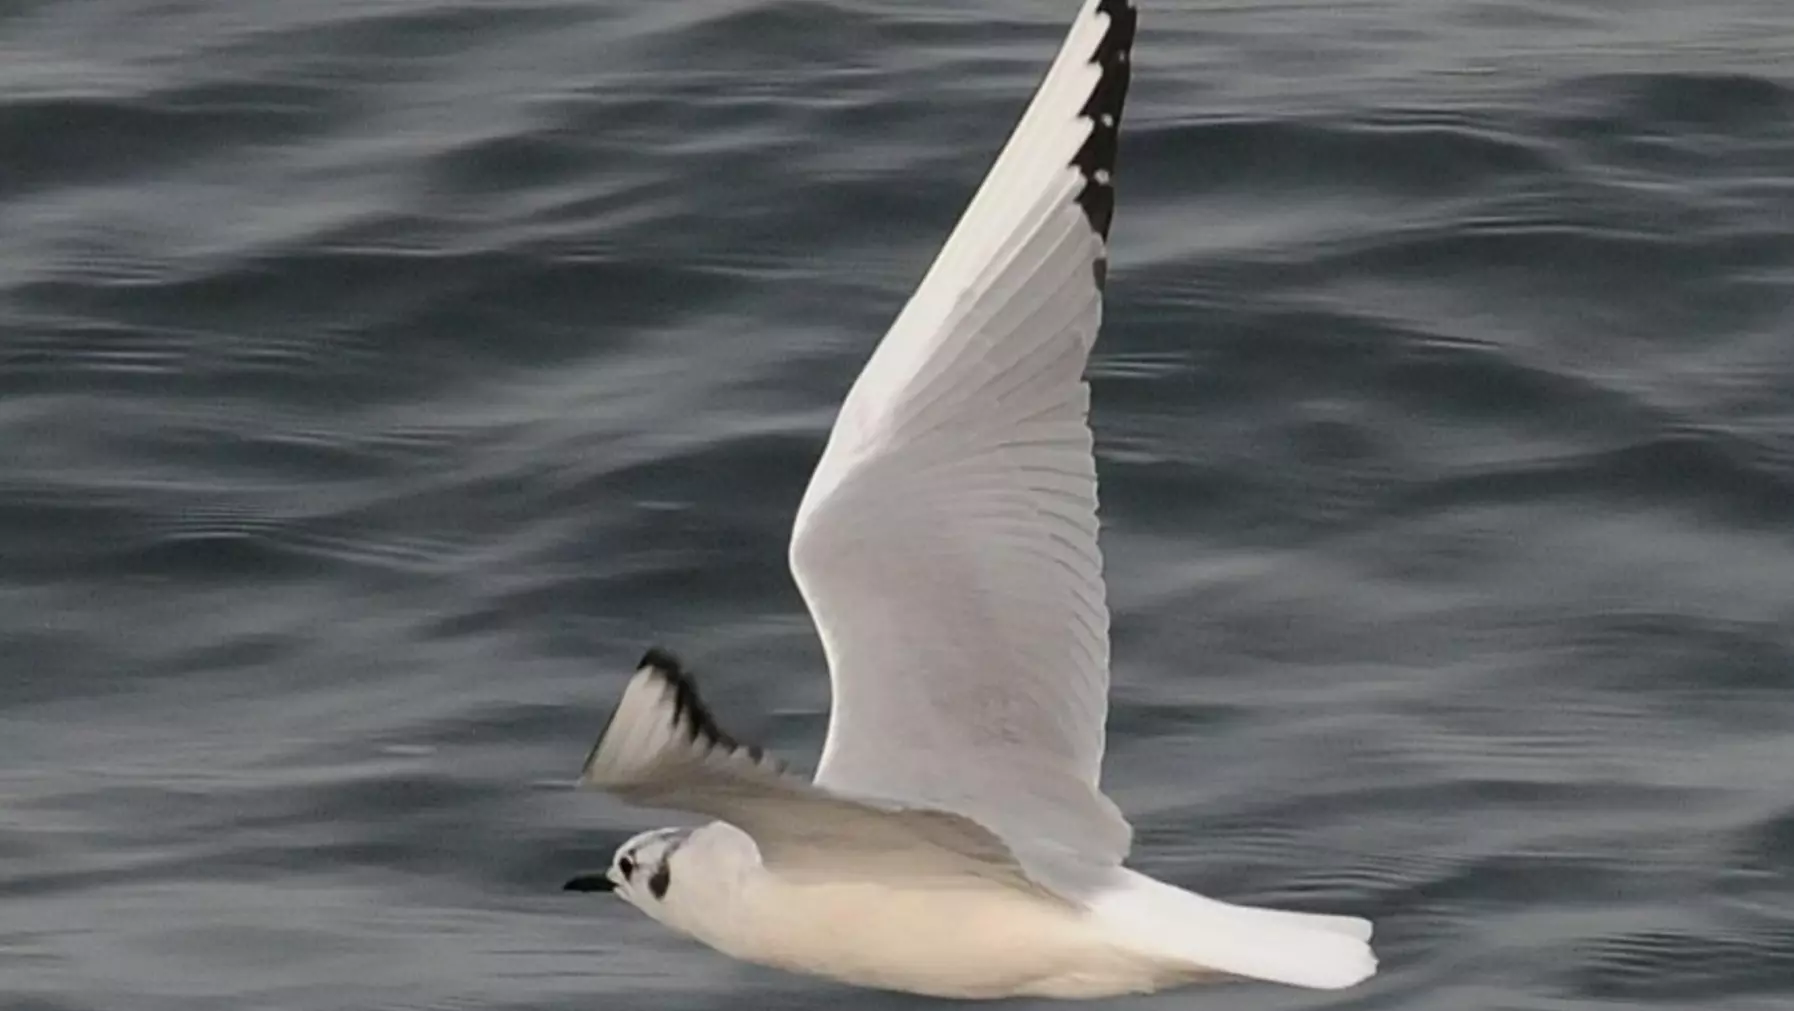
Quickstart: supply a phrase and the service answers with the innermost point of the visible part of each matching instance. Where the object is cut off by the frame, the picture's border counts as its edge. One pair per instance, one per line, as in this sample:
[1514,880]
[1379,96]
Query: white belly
[969,942]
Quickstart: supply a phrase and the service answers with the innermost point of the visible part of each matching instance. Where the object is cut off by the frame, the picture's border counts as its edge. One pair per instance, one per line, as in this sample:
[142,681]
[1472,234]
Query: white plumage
[955,840]
[947,543]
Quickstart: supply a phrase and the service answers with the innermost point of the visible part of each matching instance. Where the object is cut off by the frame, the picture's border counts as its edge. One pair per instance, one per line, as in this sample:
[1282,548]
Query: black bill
[599,882]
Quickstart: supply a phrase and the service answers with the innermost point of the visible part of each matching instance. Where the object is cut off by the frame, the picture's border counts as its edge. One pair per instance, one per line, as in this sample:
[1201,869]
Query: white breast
[969,941]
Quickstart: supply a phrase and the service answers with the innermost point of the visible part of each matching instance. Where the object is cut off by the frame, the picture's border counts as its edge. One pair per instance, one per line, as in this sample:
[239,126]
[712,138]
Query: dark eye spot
[661,881]
[627,866]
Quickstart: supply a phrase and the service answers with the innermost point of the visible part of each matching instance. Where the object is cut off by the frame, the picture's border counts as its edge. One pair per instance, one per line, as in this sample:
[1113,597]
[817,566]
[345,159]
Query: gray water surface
[378,380]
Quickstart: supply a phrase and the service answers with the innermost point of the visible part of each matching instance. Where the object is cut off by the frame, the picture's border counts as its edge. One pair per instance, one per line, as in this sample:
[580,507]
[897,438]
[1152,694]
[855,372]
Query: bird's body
[955,840]
[955,939]
[970,938]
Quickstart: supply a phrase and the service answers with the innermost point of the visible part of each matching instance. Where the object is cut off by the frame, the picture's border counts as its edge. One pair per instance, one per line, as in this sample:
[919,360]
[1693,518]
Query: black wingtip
[1096,159]
[661,659]
[689,706]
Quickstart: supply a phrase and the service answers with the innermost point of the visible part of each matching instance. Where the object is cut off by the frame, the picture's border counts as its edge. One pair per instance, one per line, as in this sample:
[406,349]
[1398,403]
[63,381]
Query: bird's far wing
[946,546]
[662,748]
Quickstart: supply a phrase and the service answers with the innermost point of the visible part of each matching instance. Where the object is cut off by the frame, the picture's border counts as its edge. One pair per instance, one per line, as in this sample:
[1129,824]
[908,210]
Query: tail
[1300,949]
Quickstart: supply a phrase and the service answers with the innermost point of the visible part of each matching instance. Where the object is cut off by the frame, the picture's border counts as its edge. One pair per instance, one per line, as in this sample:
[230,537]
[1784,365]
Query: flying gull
[955,840]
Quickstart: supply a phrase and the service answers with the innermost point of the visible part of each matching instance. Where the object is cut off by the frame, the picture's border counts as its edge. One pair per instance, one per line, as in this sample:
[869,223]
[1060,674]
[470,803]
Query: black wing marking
[1096,159]
[662,718]
[689,710]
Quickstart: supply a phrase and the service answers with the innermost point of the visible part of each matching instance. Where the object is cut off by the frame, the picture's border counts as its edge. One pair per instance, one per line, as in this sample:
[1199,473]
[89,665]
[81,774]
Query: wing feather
[662,748]
[947,544]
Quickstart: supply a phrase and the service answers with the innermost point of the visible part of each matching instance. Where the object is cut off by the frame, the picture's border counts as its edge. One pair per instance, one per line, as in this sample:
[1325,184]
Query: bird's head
[641,872]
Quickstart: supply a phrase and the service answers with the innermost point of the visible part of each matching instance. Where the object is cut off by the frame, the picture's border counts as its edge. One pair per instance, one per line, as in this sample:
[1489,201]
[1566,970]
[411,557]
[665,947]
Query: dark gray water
[377,380]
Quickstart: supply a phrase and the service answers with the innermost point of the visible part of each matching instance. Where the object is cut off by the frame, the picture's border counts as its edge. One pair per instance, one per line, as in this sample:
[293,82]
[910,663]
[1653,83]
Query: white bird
[955,840]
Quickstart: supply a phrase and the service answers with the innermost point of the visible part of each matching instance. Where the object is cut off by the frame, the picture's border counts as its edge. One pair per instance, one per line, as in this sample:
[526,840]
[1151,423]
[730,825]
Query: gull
[955,840]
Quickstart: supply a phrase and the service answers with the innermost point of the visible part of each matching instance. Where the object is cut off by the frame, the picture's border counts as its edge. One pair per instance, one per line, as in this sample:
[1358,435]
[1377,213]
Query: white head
[683,877]
[641,871]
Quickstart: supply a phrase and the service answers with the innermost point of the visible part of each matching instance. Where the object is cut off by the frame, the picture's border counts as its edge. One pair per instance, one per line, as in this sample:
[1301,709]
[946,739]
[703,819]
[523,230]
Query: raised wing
[946,546]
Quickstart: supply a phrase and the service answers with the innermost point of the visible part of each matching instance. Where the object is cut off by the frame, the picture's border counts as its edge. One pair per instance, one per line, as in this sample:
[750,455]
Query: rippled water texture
[377,379]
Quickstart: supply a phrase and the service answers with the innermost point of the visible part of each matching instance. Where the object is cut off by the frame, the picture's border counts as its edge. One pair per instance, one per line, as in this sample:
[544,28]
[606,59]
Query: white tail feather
[1299,949]
[1354,927]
